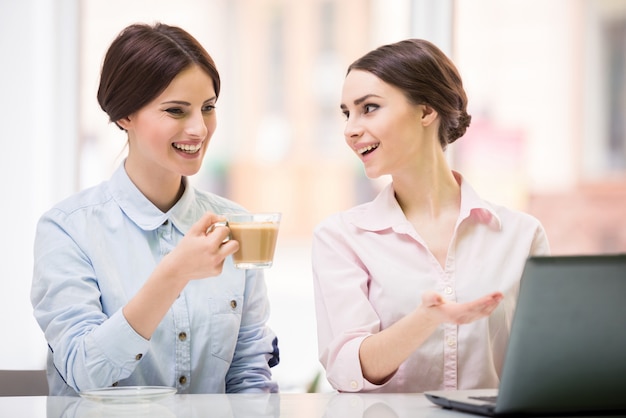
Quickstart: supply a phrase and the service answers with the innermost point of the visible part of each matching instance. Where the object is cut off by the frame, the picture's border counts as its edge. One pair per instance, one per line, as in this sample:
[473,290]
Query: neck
[428,190]
[162,190]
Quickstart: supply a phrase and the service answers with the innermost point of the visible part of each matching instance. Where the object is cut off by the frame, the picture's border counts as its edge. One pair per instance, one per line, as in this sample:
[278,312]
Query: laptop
[567,349]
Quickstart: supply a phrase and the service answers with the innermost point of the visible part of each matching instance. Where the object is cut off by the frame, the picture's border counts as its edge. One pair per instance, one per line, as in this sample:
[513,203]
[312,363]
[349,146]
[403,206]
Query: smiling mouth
[189,149]
[366,150]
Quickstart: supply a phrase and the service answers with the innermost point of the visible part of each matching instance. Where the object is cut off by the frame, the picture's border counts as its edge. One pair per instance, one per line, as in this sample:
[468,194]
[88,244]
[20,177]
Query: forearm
[147,308]
[381,354]
[197,256]
[384,352]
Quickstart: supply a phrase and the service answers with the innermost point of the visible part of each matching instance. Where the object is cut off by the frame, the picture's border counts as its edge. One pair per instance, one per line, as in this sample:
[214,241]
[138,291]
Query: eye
[368,108]
[208,108]
[345,114]
[176,111]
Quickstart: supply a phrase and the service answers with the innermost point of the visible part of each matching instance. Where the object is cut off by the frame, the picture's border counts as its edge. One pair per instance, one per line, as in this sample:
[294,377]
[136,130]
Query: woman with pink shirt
[416,289]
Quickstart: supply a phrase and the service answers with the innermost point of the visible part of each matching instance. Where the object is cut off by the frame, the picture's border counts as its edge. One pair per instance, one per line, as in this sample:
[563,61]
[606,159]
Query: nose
[353,129]
[196,126]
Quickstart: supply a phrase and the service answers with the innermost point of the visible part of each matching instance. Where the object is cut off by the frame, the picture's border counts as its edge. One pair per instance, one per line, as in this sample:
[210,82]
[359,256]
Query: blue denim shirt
[94,251]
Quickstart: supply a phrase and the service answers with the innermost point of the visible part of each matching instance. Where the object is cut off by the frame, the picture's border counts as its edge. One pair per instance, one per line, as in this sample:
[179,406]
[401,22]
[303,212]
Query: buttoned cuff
[119,342]
[346,374]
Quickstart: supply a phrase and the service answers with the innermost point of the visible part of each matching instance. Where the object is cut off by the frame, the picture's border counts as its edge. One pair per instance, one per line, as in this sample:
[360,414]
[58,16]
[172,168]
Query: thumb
[431,298]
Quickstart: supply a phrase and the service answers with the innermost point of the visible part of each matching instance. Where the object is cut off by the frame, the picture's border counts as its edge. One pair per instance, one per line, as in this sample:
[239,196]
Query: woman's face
[383,128]
[170,135]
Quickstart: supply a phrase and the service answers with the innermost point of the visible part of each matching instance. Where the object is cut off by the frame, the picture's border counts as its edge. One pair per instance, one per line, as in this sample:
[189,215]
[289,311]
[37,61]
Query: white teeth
[367,148]
[190,149]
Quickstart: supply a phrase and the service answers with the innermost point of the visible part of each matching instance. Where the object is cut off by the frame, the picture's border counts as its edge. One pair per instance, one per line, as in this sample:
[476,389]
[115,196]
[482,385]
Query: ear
[429,115]
[123,123]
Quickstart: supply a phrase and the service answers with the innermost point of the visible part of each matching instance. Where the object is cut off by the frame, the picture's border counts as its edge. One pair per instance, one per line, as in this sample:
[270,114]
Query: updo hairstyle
[426,76]
[142,61]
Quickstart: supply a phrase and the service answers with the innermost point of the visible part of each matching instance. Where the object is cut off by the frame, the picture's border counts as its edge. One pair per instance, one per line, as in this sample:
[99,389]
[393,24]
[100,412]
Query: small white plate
[128,394]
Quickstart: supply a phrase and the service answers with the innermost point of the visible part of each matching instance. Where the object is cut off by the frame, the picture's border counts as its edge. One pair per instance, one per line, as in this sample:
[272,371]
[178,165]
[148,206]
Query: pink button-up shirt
[370,268]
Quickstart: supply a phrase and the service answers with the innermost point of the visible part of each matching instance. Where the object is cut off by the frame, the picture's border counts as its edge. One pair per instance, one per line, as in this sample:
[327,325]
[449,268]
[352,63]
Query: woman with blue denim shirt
[133,283]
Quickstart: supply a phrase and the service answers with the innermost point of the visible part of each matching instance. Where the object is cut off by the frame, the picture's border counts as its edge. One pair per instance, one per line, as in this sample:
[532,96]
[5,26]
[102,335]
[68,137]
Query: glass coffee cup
[257,234]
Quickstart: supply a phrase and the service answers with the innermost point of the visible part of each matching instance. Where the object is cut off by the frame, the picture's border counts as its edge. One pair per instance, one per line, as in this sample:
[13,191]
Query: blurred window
[615,38]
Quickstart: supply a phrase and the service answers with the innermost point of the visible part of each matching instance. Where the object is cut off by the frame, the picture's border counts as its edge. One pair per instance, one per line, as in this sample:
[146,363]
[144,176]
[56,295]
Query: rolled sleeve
[107,354]
[344,368]
[118,341]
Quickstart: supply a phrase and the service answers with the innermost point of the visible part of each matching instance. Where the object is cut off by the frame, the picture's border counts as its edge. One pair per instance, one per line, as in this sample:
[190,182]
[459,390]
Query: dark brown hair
[426,76]
[142,61]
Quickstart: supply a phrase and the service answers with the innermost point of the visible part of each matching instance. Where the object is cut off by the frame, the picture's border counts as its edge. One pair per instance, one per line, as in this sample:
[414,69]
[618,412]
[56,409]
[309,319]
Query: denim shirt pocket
[225,322]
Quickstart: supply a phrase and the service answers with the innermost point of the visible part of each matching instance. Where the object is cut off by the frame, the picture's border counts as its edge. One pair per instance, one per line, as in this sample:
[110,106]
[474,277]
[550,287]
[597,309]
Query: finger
[218,224]
[218,233]
[203,224]
[486,308]
[497,296]
[471,311]
[493,299]
[228,248]
[488,304]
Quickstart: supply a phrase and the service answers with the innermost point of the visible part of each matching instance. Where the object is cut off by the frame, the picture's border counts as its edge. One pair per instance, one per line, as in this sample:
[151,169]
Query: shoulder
[503,217]
[215,203]
[514,217]
[343,219]
[377,215]
[341,229]
[523,227]
[95,196]
[75,218]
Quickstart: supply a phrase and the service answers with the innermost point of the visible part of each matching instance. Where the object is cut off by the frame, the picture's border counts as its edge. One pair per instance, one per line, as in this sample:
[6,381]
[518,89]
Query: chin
[373,174]
[189,173]
[188,170]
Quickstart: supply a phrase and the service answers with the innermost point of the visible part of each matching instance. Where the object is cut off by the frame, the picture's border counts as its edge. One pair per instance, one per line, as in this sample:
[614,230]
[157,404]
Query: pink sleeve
[345,317]
[540,245]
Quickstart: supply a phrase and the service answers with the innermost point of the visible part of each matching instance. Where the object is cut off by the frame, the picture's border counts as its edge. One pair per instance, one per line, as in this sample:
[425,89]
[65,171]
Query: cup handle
[215,225]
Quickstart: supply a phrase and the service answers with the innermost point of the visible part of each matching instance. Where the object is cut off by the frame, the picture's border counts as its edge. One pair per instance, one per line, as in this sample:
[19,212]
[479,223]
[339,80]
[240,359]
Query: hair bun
[463,122]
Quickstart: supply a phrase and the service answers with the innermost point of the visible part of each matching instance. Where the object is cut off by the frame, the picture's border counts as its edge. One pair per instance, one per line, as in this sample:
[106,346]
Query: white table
[327,405]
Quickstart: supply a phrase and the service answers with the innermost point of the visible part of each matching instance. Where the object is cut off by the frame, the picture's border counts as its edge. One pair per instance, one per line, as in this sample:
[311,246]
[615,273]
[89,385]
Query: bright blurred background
[546,82]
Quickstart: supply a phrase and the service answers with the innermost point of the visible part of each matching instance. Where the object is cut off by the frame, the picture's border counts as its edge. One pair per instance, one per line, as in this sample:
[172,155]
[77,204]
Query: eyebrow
[183,103]
[360,100]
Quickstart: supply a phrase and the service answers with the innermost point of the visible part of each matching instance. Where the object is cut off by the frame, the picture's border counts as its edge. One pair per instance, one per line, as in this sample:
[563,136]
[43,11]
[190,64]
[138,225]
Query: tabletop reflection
[179,406]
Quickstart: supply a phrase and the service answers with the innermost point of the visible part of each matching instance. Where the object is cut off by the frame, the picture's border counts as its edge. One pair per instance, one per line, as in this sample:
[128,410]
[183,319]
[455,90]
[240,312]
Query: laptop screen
[567,350]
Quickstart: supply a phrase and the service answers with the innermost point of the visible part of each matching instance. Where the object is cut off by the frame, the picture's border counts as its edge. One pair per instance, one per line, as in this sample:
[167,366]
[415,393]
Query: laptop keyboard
[491,399]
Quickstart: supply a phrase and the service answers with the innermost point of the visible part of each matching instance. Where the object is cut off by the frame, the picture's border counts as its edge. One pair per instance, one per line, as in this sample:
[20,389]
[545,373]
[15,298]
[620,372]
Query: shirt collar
[143,212]
[474,207]
[384,212]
